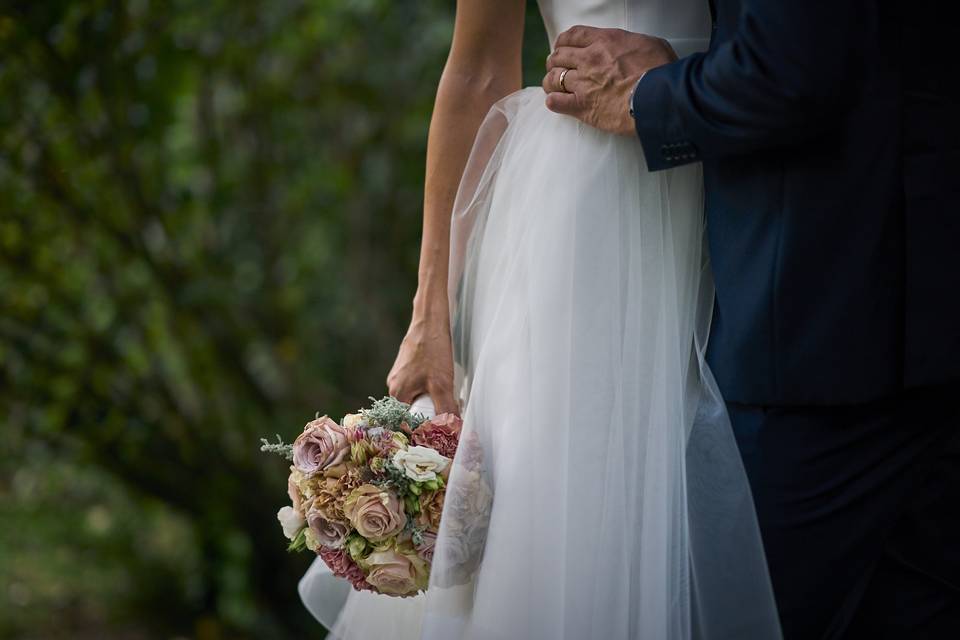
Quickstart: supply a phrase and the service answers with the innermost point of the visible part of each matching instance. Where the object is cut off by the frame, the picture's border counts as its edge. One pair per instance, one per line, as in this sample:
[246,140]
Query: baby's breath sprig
[416,535]
[279,447]
[396,478]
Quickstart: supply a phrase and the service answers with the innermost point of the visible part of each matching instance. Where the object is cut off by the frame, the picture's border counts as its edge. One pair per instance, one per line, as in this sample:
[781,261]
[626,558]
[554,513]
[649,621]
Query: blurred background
[209,227]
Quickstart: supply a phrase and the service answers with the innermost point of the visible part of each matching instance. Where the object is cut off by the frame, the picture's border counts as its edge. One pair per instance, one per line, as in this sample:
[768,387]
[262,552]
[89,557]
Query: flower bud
[356,545]
[413,504]
[360,452]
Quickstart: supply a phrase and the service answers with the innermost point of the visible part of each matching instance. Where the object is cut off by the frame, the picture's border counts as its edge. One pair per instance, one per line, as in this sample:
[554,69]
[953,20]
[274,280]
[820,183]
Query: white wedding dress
[580,302]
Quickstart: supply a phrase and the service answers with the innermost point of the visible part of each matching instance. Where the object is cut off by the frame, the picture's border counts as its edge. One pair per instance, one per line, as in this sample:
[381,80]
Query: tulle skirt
[598,491]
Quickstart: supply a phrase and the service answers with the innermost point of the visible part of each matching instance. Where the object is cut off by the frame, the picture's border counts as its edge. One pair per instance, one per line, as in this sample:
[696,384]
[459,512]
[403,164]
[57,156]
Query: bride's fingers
[443,399]
[402,389]
[407,395]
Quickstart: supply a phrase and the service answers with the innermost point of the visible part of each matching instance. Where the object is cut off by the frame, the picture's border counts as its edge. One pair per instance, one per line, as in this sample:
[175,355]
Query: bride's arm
[482,67]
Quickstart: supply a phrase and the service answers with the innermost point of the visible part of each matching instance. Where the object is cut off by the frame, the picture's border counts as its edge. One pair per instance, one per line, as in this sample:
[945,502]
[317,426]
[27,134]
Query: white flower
[354,420]
[291,520]
[421,464]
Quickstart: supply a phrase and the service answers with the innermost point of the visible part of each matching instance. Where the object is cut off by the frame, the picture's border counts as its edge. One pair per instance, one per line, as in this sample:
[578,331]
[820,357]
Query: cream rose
[375,513]
[354,421]
[291,520]
[420,464]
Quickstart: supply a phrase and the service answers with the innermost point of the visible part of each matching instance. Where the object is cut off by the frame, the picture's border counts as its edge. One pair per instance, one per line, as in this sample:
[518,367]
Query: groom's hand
[603,66]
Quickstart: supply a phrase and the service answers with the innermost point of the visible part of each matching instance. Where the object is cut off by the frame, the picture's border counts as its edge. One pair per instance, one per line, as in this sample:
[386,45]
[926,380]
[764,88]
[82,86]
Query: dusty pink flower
[431,508]
[441,433]
[329,534]
[294,492]
[343,566]
[425,548]
[375,513]
[396,573]
[323,444]
[470,452]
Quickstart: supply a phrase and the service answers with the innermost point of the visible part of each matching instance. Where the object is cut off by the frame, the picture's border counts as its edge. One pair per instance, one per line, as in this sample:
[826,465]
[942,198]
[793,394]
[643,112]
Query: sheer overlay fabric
[598,491]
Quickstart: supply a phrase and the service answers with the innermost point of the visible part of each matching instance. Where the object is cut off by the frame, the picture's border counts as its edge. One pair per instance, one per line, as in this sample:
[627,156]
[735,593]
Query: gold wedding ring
[563,75]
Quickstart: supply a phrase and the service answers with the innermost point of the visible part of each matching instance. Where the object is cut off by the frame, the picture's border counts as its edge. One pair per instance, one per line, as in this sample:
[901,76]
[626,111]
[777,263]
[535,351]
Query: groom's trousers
[859,507]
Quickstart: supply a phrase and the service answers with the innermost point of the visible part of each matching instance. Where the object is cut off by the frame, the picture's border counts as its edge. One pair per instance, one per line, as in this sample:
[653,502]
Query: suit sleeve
[786,73]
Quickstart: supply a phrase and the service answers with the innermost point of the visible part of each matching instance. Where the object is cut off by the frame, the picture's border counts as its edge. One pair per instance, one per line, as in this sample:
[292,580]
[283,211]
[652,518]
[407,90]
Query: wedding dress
[580,305]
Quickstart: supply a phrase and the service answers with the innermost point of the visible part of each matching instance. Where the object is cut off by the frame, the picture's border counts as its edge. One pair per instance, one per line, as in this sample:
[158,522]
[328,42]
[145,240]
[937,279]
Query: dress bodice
[684,23]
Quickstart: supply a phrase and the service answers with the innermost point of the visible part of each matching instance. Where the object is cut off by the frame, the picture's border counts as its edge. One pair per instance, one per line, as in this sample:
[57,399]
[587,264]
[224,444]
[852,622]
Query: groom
[829,134]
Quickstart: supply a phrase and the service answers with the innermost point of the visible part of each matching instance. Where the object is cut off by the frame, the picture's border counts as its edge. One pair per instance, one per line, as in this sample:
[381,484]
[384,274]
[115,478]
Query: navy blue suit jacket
[829,133]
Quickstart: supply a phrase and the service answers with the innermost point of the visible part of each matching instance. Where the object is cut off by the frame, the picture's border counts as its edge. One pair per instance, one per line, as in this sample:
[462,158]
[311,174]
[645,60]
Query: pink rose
[441,433]
[375,513]
[323,444]
[470,452]
[343,566]
[332,535]
[426,547]
[397,574]
[294,492]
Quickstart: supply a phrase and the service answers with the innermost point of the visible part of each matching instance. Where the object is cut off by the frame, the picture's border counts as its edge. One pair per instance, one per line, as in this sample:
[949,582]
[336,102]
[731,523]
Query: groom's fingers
[551,81]
[566,57]
[566,103]
[577,36]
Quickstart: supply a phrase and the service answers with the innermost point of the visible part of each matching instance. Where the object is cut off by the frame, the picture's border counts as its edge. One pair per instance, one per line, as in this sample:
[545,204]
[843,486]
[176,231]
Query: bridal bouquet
[367,493]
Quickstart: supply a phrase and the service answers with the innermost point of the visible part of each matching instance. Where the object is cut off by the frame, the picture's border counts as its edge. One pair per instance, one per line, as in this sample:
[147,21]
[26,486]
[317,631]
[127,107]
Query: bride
[563,305]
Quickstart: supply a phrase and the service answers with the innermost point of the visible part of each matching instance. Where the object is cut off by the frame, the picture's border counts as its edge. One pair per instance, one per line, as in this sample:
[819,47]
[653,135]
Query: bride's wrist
[430,308]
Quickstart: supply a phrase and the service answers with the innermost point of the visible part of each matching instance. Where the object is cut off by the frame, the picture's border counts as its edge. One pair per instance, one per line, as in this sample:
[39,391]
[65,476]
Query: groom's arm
[786,73]
[788,69]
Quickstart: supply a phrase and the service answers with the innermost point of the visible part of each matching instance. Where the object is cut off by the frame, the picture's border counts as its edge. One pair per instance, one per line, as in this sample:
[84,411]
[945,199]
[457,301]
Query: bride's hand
[425,365]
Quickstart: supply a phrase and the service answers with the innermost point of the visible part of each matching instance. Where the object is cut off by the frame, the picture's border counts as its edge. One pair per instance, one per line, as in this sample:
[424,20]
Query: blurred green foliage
[209,219]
